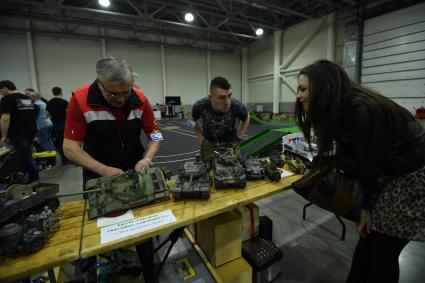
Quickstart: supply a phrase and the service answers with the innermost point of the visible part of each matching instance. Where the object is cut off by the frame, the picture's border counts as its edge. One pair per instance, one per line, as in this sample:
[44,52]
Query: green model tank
[228,170]
[131,189]
[194,180]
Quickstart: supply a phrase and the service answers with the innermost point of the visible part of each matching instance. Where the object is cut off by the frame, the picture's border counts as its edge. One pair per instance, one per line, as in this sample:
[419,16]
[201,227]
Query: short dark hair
[30,89]
[7,84]
[219,82]
[56,90]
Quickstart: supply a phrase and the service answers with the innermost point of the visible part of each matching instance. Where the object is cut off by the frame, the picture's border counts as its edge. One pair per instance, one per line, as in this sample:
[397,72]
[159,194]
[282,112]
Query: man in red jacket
[107,117]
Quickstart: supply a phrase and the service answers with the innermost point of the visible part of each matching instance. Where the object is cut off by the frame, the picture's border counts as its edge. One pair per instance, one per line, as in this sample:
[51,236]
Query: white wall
[394,56]
[14,60]
[68,62]
[261,56]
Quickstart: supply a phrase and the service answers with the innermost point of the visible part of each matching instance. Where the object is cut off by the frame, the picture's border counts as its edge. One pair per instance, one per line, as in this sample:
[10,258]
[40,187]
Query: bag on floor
[331,189]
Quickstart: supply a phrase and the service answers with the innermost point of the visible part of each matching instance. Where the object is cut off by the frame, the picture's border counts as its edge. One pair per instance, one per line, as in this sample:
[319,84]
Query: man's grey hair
[113,69]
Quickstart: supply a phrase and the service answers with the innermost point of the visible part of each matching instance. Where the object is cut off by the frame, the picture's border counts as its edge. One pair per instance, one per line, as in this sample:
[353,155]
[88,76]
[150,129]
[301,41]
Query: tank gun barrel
[83,192]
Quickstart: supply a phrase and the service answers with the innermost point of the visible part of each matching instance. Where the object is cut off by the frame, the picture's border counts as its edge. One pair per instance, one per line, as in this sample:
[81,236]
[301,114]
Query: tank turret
[194,180]
[228,170]
[131,189]
[254,169]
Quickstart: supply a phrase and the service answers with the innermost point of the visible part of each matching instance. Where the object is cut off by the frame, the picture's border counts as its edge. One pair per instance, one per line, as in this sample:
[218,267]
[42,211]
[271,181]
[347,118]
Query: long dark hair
[329,87]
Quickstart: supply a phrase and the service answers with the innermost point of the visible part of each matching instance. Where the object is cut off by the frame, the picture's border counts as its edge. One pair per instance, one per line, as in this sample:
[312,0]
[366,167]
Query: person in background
[18,125]
[56,110]
[28,91]
[44,125]
[383,146]
[103,125]
[219,119]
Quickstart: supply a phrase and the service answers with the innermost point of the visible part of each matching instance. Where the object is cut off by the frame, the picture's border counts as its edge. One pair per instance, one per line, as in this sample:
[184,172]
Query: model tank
[300,151]
[194,180]
[295,164]
[228,170]
[21,200]
[29,235]
[254,169]
[130,189]
[272,172]
[276,158]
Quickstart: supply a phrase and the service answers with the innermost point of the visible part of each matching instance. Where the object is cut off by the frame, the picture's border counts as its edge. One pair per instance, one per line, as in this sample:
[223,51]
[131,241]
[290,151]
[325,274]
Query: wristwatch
[149,161]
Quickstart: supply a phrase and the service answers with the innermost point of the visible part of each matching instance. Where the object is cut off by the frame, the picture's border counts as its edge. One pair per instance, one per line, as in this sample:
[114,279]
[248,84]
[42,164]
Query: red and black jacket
[104,141]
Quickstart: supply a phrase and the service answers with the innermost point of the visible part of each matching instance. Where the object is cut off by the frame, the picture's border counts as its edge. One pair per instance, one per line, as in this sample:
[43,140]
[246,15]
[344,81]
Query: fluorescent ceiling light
[188,17]
[259,31]
[104,3]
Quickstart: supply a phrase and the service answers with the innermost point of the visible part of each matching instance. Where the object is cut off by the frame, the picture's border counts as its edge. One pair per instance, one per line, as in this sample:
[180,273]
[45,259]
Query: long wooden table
[62,247]
[186,212]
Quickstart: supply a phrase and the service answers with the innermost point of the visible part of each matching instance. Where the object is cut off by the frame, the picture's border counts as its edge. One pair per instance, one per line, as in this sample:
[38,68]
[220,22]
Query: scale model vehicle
[194,180]
[18,201]
[26,217]
[296,165]
[300,150]
[272,172]
[254,169]
[28,235]
[276,158]
[228,170]
[121,192]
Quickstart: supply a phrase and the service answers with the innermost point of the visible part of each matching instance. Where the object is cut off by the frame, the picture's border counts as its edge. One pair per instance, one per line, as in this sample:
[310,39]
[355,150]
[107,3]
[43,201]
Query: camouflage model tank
[254,169]
[130,189]
[300,151]
[296,165]
[276,158]
[228,170]
[194,180]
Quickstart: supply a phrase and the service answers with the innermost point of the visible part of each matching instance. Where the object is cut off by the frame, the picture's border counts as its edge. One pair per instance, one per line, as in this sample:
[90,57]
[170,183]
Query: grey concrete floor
[313,250]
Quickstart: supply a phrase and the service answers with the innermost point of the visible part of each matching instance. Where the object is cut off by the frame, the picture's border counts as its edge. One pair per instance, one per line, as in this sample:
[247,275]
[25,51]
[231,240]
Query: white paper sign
[106,221]
[285,173]
[134,226]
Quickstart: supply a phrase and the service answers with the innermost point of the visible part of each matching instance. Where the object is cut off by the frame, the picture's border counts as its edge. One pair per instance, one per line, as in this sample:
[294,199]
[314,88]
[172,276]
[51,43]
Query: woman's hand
[363,227]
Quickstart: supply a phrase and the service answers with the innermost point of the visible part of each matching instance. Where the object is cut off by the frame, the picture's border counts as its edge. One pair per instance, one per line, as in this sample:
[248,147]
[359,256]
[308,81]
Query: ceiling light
[259,31]
[188,17]
[104,3]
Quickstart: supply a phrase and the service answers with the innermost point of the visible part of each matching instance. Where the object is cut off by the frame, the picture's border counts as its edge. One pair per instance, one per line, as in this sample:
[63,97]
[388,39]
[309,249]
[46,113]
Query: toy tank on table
[228,170]
[130,189]
[26,217]
[194,180]
[254,169]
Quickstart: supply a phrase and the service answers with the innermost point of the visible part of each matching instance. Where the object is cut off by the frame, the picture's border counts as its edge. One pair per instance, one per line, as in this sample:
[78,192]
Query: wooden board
[186,211]
[62,247]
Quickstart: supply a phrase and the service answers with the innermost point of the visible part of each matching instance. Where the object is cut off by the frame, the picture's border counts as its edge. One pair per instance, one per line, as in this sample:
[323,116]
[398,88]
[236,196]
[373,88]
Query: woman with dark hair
[383,146]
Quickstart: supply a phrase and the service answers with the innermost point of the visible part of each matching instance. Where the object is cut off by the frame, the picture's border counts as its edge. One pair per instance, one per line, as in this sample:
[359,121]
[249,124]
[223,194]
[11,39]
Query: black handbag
[331,189]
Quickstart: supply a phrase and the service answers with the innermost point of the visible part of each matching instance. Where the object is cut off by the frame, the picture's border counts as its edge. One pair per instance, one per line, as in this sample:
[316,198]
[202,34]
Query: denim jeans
[44,136]
[23,147]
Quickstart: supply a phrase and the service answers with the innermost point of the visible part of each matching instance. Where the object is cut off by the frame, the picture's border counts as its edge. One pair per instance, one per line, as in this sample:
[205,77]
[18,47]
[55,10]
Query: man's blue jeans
[23,147]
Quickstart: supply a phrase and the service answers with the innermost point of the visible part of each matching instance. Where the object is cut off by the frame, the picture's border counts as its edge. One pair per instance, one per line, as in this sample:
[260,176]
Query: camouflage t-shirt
[217,126]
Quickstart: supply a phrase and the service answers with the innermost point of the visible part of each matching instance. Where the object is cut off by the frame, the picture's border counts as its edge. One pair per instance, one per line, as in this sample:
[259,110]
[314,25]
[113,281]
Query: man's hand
[363,227]
[143,164]
[3,141]
[110,171]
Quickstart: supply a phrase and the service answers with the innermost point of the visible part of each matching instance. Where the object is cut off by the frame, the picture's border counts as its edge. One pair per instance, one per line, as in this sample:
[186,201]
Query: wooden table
[186,212]
[62,247]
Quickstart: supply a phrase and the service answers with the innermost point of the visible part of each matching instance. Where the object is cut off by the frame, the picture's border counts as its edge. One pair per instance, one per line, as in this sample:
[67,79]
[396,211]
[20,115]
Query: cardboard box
[236,271]
[220,237]
[250,221]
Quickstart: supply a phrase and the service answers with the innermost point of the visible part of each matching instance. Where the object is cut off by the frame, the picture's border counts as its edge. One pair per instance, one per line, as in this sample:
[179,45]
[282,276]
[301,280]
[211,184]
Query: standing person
[44,124]
[56,110]
[383,146]
[18,125]
[28,91]
[107,117]
[219,119]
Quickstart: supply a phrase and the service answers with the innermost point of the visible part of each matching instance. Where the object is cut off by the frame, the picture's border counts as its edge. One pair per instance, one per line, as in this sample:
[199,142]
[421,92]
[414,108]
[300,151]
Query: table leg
[146,258]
